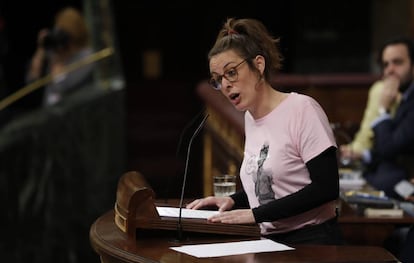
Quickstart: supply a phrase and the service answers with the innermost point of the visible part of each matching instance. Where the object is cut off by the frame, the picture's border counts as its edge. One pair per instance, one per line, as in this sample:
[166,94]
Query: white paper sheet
[231,248]
[185,213]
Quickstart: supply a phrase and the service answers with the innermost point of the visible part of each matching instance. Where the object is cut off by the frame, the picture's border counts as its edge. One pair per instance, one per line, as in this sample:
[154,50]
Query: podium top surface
[154,246]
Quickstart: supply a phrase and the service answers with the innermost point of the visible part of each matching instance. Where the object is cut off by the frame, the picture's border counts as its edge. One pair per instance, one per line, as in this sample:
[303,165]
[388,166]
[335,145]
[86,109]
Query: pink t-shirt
[277,148]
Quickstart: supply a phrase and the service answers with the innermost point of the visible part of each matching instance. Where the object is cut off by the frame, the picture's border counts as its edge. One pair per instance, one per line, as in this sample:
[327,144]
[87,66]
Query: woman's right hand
[222,203]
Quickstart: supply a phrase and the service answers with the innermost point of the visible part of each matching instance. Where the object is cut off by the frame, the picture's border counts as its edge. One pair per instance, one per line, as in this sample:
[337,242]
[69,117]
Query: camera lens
[56,39]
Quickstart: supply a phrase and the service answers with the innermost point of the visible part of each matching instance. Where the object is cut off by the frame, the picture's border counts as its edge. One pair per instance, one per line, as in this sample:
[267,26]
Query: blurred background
[59,168]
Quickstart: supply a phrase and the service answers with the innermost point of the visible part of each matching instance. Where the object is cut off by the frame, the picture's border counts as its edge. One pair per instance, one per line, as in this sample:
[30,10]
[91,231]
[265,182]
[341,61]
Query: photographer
[65,44]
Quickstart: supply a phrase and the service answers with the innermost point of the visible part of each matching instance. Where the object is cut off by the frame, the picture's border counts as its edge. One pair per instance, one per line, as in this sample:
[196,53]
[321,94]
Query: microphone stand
[179,225]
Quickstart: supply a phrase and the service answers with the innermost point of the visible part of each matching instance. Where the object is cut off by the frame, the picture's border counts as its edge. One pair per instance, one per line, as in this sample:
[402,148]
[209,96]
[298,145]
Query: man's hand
[411,197]
[347,153]
[390,92]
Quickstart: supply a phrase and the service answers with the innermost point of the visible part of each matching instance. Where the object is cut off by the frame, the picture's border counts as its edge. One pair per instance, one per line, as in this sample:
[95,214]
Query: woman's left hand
[238,216]
[222,203]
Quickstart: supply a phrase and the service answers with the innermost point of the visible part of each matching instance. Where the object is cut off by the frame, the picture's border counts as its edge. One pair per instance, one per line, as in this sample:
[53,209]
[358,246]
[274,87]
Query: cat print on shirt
[263,182]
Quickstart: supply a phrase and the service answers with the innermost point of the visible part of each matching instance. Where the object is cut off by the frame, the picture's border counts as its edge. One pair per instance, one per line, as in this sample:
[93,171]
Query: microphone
[186,128]
[179,225]
[179,144]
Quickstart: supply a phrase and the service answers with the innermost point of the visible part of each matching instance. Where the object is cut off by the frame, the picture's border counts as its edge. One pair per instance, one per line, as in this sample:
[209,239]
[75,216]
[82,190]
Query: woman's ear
[260,63]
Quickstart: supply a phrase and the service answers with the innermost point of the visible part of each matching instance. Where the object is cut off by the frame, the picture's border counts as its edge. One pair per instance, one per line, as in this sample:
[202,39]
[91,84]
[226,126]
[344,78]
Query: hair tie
[232,32]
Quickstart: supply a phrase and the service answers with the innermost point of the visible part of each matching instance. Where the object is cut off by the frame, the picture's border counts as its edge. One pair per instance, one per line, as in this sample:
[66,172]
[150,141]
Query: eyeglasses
[231,75]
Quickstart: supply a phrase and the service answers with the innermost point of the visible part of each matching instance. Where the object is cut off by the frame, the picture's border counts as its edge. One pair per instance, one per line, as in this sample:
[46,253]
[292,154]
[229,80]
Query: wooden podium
[115,236]
[135,208]
[114,246]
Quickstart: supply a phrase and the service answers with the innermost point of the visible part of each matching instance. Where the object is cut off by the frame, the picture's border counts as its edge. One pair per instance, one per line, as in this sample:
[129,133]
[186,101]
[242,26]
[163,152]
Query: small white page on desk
[231,248]
[185,213]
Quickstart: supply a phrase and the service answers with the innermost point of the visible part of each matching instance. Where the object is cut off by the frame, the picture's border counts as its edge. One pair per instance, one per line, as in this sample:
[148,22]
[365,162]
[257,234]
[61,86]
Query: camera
[56,39]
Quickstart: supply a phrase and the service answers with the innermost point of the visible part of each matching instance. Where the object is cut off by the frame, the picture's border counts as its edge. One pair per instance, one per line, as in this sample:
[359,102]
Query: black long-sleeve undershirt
[324,187]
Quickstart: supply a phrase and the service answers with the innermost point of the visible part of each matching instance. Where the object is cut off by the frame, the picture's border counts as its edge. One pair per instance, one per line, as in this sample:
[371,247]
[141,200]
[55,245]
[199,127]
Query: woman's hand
[223,203]
[238,216]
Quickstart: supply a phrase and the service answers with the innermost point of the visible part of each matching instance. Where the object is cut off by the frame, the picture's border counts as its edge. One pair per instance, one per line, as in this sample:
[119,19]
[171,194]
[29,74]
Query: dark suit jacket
[393,150]
[407,252]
